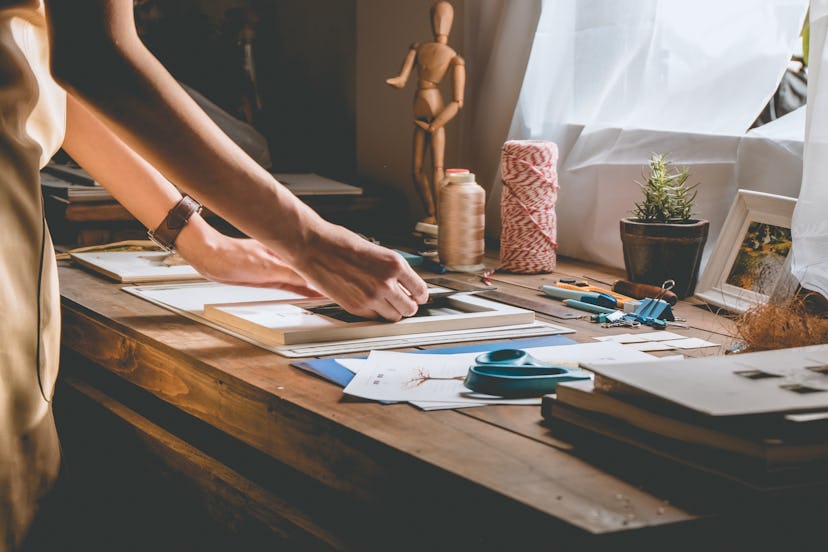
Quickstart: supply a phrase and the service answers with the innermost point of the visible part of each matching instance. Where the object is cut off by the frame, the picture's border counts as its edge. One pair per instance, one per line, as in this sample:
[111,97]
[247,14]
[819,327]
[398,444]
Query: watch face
[158,242]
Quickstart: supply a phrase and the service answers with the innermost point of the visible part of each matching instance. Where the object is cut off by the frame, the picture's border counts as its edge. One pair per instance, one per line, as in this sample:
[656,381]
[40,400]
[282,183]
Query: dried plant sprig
[782,325]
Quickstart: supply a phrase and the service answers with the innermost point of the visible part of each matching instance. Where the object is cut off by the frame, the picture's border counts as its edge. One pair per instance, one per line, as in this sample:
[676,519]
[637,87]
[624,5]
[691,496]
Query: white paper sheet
[690,343]
[135,266]
[640,337]
[661,335]
[192,297]
[621,338]
[649,346]
[356,364]
[353,365]
[657,341]
[389,376]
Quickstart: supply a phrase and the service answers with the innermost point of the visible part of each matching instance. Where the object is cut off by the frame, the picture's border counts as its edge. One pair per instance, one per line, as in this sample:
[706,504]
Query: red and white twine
[528,240]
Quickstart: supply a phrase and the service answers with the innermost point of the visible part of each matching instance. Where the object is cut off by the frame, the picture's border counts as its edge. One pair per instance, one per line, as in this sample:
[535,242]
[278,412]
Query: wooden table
[271,454]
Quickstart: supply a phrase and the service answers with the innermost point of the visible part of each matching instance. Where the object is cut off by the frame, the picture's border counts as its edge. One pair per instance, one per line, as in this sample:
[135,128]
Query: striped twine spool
[528,240]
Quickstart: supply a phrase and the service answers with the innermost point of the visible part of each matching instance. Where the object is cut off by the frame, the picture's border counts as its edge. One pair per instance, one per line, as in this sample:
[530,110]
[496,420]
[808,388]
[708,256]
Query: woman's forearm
[132,93]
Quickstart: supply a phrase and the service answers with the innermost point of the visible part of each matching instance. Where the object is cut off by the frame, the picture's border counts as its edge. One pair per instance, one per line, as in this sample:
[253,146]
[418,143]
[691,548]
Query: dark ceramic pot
[655,252]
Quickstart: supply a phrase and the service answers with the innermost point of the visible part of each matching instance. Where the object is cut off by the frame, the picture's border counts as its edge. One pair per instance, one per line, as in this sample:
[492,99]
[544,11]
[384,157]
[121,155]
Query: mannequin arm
[97,56]
[405,71]
[458,74]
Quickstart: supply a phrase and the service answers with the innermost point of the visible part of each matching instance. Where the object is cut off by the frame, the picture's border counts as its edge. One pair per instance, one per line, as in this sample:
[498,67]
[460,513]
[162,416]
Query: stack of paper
[189,299]
[52,185]
[435,382]
[135,266]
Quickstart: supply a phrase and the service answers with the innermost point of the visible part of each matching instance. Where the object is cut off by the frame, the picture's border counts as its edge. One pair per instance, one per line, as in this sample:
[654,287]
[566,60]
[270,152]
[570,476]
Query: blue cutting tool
[515,373]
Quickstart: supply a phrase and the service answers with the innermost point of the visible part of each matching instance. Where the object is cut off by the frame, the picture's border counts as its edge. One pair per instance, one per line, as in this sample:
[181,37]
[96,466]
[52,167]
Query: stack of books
[760,419]
[81,212]
[72,184]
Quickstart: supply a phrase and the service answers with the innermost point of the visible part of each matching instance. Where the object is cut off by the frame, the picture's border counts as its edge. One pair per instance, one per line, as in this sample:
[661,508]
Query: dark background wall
[321,68]
[304,51]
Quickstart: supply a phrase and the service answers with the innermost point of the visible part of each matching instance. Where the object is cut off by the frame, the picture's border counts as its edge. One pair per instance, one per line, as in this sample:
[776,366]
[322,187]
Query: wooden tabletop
[494,474]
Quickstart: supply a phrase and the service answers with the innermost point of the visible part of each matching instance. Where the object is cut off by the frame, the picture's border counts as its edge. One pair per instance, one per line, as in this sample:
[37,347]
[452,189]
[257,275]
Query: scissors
[516,373]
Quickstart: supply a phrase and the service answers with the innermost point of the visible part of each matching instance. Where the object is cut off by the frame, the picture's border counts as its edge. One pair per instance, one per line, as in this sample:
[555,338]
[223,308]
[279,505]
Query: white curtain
[612,81]
[810,225]
[498,39]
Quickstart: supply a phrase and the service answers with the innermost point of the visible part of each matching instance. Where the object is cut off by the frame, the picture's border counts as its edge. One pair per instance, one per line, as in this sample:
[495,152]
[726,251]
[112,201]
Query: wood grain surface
[486,463]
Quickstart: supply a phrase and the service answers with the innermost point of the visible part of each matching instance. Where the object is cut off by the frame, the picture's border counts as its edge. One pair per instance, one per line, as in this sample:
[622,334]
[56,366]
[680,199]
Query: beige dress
[32,122]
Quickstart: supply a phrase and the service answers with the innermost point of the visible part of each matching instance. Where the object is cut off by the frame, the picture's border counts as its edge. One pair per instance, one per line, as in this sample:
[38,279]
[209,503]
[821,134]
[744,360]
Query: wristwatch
[165,235]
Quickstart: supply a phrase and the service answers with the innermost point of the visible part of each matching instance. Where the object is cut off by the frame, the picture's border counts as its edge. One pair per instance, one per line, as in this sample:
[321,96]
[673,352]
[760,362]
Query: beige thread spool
[445,180]
[461,223]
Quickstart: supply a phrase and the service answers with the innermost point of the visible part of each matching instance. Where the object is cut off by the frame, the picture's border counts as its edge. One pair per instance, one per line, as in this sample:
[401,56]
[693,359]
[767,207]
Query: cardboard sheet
[785,380]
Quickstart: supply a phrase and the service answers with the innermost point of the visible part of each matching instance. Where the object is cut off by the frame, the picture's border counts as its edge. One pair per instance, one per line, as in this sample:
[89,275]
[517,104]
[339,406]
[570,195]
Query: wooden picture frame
[751,255]
[289,322]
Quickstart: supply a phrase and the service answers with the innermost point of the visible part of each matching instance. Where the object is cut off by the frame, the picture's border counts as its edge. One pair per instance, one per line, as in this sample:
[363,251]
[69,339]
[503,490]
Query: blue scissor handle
[508,357]
[516,373]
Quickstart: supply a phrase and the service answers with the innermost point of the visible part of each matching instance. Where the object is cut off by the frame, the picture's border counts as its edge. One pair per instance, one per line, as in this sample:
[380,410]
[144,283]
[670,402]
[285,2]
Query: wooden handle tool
[642,291]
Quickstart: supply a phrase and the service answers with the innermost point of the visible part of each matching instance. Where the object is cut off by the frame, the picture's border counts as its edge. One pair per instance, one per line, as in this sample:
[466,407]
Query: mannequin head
[442,16]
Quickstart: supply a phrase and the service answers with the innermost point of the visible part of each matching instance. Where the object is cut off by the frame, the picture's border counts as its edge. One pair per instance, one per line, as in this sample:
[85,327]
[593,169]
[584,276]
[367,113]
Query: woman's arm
[148,196]
[99,59]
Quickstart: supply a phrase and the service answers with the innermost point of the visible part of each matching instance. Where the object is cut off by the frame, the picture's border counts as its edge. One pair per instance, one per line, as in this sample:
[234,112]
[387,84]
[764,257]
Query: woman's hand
[364,278]
[242,262]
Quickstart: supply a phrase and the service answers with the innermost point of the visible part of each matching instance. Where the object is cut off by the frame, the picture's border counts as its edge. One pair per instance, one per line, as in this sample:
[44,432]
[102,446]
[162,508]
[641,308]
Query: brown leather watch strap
[167,232]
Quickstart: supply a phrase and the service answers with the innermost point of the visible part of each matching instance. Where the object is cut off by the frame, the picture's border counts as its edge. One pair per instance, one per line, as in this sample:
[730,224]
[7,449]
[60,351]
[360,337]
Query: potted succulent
[662,241]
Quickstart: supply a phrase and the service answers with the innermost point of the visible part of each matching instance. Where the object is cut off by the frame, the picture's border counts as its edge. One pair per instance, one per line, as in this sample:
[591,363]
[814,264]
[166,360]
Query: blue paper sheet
[331,370]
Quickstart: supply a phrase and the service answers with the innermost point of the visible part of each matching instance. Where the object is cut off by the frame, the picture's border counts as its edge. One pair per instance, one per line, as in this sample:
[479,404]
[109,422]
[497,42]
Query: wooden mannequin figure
[433,61]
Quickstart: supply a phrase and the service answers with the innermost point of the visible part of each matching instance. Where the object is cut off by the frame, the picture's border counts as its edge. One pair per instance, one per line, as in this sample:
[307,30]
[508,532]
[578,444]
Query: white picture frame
[751,254]
[288,322]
